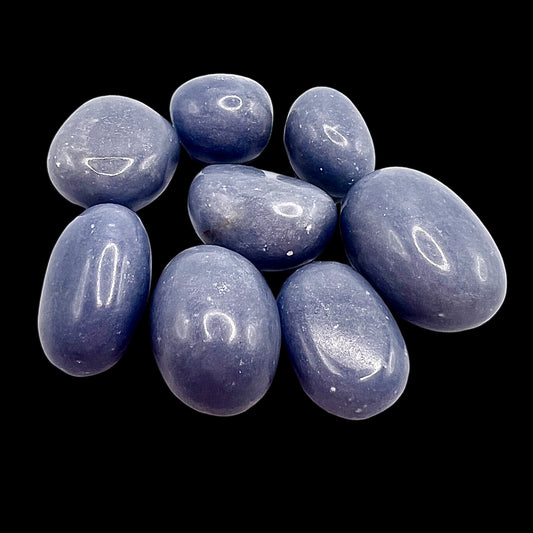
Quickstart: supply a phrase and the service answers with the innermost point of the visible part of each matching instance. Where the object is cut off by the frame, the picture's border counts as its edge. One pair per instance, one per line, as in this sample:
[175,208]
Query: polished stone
[215,330]
[343,342]
[113,149]
[327,141]
[95,290]
[277,222]
[423,249]
[222,118]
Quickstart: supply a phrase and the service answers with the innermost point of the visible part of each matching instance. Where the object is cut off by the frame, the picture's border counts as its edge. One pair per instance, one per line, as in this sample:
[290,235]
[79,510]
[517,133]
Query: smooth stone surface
[327,141]
[423,249]
[343,342]
[113,149]
[222,118]
[215,330]
[95,290]
[276,221]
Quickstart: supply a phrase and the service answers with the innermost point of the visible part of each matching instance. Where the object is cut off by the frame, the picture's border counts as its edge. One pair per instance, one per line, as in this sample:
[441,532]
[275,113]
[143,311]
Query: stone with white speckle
[222,118]
[327,141]
[113,149]
[345,346]
[215,330]
[277,222]
[95,290]
[423,249]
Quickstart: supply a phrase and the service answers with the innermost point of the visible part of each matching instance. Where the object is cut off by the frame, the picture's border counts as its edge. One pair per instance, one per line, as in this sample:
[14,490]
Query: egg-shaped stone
[423,249]
[95,290]
[327,140]
[222,118]
[113,149]
[277,222]
[343,342]
[215,330]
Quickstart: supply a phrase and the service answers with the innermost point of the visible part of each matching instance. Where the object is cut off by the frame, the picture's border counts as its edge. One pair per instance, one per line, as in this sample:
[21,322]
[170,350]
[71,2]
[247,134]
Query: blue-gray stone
[327,141]
[95,290]
[343,342]
[222,118]
[215,330]
[277,222]
[423,249]
[113,149]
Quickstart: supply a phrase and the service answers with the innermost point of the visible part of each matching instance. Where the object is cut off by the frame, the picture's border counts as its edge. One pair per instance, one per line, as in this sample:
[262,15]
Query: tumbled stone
[343,342]
[95,290]
[215,330]
[277,222]
[327,141]
[113,149]
[222,118]
[423,249]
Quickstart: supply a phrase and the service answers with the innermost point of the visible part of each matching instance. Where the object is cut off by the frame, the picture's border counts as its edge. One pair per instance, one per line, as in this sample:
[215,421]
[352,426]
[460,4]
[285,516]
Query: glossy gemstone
[276,221]
[95,290]
[113,149]
[423,249]
[343,342]
[327,141]
[215,330]
[222,118]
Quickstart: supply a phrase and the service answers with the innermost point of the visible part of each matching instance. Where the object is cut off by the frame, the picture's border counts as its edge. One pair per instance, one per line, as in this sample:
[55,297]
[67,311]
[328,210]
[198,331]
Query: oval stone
[327,141]
[113,149]
[95,290]
[215,330]
[277,222]
[343,342]
[222,118]
[423,249]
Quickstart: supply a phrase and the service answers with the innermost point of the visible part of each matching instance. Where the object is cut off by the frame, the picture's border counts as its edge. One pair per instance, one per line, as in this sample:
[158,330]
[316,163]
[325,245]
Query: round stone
[95,290]
[215,330]
[113,149]
[222,118]
[423,249]
[327,141]
[277,222]
[343,342]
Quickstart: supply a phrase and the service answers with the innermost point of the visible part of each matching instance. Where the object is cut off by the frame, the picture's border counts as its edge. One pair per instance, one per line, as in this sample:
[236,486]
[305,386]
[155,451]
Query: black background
[431,96]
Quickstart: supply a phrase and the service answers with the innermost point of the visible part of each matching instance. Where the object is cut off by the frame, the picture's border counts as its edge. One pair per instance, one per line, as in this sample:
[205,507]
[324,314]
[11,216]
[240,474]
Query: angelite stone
[113,149]
[343,342]
[215,330]
[95,290]
[222,118]
[275,221]
[423,249]
[327,141]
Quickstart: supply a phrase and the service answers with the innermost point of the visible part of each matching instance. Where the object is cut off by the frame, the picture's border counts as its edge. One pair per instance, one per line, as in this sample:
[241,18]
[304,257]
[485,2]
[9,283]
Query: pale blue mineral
[423,249]
[113,149]
[343,342]
[215,330]
[95,290]
[327,141]
[278,222]
[222,118]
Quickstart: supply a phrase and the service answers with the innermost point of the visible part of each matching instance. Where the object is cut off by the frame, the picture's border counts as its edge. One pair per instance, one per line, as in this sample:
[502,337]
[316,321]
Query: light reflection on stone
[288,209]
[106,276]
[110,165]
[334,136]
[429,248]
[214,321]
[231,102]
